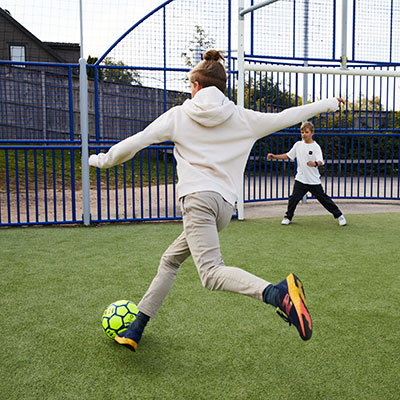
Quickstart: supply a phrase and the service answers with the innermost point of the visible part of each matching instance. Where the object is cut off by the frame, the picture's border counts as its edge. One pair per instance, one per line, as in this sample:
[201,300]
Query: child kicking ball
[213,138]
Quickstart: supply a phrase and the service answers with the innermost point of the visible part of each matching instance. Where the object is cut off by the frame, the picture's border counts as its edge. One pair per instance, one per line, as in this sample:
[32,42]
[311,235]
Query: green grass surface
[56,282]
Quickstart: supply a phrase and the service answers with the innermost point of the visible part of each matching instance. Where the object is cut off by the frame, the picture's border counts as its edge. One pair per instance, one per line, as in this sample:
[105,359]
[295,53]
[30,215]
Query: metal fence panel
[40,185]
[357,166]
[40,152]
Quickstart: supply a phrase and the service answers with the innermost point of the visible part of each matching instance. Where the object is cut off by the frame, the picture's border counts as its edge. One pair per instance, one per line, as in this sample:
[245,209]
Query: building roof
[63,44]
[43,45]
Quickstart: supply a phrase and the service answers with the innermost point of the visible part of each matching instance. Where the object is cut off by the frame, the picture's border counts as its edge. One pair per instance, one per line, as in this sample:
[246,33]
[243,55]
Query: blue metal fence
[357,166]
[41,185]
[142,189]
[40,150]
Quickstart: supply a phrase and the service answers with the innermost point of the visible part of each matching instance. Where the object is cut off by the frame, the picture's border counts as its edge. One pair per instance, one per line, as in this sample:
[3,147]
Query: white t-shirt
[305,152]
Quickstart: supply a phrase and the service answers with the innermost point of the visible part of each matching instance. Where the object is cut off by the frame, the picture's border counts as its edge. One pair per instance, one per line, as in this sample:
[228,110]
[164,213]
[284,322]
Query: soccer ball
[117,316]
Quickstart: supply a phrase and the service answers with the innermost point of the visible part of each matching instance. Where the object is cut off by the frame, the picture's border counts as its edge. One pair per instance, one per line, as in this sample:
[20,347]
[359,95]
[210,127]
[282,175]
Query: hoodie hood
[209,107]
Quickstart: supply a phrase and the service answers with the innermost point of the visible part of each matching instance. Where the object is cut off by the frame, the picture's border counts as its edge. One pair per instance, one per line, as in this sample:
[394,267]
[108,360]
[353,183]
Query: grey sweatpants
[204,215]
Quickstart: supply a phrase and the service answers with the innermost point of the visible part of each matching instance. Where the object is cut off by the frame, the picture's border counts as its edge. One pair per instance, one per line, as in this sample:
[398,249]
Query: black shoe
[129,338]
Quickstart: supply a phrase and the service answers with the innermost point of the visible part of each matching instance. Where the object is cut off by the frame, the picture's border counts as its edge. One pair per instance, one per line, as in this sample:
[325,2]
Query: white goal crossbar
[320,70]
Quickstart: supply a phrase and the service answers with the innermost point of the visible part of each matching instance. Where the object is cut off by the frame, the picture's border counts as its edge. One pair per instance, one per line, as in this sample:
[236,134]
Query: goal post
[241,70]
[342,69]
[318,71]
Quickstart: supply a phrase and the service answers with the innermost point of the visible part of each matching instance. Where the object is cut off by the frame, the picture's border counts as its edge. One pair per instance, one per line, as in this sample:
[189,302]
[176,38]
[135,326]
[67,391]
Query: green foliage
[395,122]
[115,75]
[56,282]
[269,96]
[371,104]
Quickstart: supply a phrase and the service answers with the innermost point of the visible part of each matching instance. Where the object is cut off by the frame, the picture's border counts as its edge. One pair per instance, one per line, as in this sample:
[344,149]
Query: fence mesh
[376,30]
[287,28]
[146,73]
[302,29]
[174,37]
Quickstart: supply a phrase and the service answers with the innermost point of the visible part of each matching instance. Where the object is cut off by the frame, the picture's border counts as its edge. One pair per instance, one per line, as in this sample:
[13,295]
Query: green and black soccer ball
[117,316]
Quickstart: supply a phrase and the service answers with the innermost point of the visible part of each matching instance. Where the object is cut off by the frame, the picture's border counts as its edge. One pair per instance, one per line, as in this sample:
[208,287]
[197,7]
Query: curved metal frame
[131,29]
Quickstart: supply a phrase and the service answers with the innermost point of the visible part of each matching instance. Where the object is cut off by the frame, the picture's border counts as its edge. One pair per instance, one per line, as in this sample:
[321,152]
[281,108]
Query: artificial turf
[55,283]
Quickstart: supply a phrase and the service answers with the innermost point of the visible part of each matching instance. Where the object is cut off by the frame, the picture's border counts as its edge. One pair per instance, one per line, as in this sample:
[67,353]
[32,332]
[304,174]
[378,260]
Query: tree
[116,75]
[200,43]
[362,104]
[268,95]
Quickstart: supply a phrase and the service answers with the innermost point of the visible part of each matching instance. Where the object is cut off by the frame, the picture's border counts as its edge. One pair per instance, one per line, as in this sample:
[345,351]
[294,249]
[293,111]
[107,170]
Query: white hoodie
[213,138]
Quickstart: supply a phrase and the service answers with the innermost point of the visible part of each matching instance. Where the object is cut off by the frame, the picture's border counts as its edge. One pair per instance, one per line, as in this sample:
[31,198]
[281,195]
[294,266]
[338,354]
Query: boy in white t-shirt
[309,157]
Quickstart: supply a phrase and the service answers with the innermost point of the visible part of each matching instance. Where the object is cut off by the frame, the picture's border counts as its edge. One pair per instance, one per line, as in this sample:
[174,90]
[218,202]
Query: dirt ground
[148,203]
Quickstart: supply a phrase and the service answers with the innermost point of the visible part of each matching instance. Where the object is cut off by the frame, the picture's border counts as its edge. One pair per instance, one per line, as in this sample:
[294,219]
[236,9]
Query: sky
[59,20]
[106,20]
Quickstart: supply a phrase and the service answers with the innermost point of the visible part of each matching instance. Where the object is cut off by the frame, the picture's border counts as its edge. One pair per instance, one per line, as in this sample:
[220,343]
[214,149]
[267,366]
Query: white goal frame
[305,70]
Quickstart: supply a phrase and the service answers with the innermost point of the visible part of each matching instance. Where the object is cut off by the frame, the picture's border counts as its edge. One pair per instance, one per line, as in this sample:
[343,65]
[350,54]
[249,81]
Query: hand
[341,101]
[311,163]
[93,161]
[270,156]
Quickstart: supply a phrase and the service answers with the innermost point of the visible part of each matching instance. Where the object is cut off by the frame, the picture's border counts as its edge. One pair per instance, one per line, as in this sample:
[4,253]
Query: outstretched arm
[120,152]
[267,123]
[158,131]
[294,115]
[283,156]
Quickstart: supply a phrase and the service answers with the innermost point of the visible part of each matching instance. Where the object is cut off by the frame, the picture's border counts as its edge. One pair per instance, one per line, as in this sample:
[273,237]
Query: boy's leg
[204,214]
[325,200]
[299,190]
[202,218]
[162,283]
[168,269]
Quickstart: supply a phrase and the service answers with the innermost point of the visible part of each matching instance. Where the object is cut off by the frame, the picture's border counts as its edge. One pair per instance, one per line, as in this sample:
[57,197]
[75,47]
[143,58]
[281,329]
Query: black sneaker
[129,338]
[293,307]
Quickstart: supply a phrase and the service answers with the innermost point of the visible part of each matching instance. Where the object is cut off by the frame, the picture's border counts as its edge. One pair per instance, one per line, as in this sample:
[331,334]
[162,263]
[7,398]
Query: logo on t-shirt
[310,152]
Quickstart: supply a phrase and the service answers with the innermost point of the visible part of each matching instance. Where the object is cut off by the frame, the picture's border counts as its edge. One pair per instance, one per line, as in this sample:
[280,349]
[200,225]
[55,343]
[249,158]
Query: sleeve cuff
[93,160]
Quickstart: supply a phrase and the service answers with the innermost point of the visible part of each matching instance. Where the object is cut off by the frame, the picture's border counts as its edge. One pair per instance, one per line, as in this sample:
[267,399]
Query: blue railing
[40,149]
[42,184]
[39,186]
[356,167]
[141,189]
